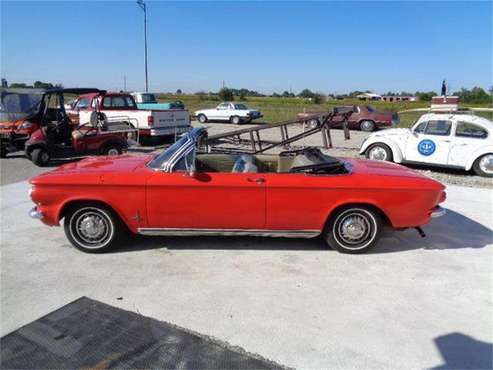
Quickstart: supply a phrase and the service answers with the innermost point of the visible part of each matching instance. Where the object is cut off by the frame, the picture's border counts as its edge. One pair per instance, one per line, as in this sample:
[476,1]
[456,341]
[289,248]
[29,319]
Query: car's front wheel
[483,166]
[92,228]
[112,149]
[202,118]
[353,229]
[379,152]
[40,157]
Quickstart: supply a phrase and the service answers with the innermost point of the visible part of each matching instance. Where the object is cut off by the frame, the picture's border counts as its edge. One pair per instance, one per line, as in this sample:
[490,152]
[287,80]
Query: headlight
[26,125]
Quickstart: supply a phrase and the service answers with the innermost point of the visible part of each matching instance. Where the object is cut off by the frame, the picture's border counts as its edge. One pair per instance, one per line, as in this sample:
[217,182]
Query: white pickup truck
[235,113]
[119,106]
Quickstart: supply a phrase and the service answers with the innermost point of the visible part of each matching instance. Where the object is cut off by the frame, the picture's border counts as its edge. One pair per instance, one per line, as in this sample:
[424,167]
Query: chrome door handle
[258,180]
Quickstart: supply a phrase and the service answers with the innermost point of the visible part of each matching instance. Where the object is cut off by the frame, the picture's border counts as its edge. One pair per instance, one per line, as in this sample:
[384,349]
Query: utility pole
[124,83]
[142,6]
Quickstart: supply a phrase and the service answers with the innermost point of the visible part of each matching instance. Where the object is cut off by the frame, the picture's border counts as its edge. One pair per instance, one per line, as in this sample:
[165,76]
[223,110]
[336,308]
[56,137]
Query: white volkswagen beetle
[462,141]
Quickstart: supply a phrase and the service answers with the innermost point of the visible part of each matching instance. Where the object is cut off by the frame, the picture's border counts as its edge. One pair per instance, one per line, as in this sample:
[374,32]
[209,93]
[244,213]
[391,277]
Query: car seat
[244,164]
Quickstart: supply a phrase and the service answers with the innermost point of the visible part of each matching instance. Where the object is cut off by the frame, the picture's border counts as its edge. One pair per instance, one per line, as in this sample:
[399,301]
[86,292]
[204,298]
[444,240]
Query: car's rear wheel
[483,166]
[202,118]
[92,228]
[379,152]
[353,229]
[313,123]
[367,126]
[235,120]
[40,157]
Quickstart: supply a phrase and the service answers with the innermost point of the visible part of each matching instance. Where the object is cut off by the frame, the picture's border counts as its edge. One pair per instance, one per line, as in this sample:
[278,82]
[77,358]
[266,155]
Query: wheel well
[385,218]
[80,202]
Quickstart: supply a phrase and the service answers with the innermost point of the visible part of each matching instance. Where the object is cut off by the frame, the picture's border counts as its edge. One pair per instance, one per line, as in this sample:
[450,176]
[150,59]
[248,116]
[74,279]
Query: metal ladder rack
[259,146]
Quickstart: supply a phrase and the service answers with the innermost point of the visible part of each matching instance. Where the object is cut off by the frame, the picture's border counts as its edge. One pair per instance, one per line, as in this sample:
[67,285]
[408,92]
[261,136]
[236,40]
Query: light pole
[142,6]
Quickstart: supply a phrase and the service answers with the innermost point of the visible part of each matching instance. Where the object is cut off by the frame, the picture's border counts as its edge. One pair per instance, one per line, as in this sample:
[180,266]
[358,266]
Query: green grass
[282,109]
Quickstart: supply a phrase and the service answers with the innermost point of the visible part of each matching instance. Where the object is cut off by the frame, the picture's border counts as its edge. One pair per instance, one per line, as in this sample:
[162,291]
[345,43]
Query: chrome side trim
[229,232]
[34,213]
[438,212]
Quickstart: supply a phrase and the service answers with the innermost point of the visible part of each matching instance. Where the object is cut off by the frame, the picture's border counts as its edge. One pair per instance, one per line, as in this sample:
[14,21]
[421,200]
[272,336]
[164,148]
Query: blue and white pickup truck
[148,101]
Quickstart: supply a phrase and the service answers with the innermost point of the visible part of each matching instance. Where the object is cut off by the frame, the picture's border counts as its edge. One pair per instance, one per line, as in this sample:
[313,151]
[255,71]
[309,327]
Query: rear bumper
[167,131]
[438,212]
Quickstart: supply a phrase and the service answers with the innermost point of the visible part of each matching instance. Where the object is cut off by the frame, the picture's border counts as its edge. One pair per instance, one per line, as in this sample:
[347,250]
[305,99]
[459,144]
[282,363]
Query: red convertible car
[181,191]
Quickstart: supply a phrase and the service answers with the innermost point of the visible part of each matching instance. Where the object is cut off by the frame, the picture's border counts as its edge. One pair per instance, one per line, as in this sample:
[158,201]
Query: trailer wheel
[202,118]
[235,120]
[40,157]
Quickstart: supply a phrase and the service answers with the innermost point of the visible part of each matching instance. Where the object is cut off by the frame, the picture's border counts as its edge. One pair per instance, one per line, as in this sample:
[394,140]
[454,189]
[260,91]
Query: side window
[223,106]
[467,129]
[186,163]
[421,127]
[438,127]
[130,102]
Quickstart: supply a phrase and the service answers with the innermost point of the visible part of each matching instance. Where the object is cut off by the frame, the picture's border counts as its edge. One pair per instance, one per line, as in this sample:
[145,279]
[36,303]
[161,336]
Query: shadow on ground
[452,231]
[461,351]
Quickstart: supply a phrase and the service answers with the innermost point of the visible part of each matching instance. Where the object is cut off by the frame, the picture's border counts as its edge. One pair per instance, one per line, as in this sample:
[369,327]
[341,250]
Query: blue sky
[267,46]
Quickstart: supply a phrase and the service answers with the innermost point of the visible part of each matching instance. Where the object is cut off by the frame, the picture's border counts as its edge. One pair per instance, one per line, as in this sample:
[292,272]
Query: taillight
[150,120]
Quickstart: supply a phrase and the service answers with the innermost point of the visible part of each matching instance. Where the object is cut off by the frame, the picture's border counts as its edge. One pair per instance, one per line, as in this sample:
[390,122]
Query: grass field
[281,109]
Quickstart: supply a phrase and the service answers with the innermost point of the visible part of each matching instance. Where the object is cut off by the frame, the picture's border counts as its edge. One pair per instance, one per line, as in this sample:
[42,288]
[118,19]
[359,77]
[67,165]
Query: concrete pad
[411,303]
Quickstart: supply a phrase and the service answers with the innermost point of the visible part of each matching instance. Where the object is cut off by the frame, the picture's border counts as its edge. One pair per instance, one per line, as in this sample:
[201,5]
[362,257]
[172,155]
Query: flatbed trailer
[251,136]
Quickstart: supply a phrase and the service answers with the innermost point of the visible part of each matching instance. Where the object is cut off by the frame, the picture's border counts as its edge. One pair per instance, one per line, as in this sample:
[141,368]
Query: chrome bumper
[438,212]
[34,213]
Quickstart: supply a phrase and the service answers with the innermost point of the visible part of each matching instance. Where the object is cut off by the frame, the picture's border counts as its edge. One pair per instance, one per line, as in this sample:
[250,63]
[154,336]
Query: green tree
[425,96]
[306,93]
[226,94]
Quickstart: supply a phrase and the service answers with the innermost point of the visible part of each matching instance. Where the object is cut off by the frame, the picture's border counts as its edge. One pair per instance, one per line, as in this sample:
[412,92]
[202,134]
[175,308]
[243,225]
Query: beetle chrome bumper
[438,212]
[34,213]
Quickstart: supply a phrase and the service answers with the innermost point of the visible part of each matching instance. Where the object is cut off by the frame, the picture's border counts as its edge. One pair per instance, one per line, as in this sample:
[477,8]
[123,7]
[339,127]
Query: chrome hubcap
[91,228]
[45,157]
[378,153]
[486,164]
[367,125]
[354,228]
[113,152]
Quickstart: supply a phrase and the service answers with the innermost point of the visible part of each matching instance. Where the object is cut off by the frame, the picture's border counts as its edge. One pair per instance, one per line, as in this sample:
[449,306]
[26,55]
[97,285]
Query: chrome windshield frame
[173,154]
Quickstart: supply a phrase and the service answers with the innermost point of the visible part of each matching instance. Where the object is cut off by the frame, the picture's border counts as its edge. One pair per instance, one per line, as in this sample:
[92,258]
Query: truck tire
[40,157]
[379,152]
[367,126]
[235,120]
[112,149]
[483,166]
[353,229]
[92,227]
[202,118]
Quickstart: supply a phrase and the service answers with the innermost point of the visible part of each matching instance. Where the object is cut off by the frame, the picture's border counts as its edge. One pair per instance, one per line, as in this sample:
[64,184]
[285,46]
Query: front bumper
[35,214]
[166,131]
[438,212]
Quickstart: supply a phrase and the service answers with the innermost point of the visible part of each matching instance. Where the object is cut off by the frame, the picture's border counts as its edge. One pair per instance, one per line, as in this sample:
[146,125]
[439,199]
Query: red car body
[154,202]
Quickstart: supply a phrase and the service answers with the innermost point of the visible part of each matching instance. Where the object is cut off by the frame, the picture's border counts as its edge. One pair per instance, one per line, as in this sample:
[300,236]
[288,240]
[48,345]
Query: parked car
[181,191]
[150,123]
[235,113]
[23,111]
[461,141]
[364,118]
[148,101]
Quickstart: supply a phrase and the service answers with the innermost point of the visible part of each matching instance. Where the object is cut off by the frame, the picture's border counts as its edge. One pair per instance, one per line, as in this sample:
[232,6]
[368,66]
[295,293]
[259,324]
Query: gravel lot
[16,167]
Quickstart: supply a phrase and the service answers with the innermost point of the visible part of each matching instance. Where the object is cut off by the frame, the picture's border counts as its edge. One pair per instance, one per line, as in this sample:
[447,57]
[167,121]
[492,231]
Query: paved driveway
[412,303]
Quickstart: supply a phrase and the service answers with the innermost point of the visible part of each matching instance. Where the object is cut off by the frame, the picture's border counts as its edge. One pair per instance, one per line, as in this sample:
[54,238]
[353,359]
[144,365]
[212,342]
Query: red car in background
[364,118]
[181,191]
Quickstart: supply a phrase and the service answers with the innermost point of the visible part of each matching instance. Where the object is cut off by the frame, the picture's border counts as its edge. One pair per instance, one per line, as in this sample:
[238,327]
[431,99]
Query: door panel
[206,200]
[430,146]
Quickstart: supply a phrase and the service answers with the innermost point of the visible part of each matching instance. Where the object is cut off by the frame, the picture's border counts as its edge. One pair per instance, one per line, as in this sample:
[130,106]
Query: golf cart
[59,138]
